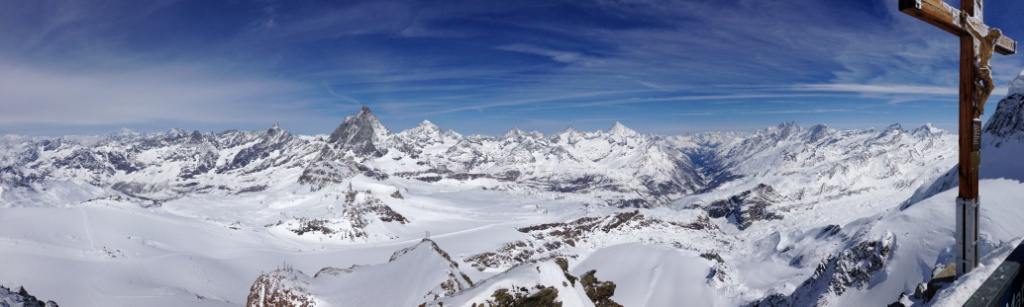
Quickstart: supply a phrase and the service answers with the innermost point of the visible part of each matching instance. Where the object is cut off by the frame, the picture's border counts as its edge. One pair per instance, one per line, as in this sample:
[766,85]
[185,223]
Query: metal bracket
[976,134]
[966,235]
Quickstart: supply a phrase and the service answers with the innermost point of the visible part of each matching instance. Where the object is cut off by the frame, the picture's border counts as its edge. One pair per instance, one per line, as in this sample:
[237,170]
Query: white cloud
[876,89]
[165,93]
[559,56]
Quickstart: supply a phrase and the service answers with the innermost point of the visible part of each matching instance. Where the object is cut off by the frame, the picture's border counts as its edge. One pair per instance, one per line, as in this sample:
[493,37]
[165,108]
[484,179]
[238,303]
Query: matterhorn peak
[362,133]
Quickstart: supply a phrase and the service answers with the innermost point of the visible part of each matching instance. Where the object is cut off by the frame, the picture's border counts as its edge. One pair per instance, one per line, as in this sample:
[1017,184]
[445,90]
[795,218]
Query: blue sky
[479,67]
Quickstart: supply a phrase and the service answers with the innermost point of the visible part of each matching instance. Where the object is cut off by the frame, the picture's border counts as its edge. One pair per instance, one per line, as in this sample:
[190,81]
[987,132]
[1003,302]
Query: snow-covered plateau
[788,215]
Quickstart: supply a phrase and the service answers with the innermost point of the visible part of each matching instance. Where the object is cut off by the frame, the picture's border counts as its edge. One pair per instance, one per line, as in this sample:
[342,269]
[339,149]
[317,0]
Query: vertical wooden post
[967,202]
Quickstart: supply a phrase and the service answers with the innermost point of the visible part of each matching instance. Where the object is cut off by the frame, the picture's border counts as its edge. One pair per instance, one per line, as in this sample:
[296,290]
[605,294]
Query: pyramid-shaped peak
[620,129]
[426,124]
[275,128]
[362,133]
[276,131]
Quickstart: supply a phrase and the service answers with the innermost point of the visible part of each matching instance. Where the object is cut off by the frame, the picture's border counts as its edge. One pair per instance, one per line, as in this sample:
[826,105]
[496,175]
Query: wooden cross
[940,14]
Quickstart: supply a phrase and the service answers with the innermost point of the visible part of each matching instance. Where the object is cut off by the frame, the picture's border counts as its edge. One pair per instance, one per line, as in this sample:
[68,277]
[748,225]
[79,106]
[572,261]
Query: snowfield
[788,215]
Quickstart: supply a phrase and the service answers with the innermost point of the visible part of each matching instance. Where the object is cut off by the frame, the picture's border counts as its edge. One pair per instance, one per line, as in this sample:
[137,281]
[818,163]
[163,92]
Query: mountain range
[787,215]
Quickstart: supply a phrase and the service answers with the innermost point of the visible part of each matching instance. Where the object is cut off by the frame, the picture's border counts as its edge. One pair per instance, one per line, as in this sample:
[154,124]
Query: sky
[480,67]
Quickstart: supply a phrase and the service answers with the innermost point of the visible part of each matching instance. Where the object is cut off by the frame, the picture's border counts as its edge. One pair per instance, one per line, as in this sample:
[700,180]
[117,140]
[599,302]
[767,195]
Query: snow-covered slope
[787,215]
[412,276]
[1002,143]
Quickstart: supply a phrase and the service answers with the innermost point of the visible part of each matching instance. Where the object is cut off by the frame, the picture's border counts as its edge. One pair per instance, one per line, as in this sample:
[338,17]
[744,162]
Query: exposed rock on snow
[362,134]
[1002,141]
[1007,122]
[854,267]
[746,208]
[589,233]
[281,287]
[413,276]
[536,198]
[19,297]
[360,212]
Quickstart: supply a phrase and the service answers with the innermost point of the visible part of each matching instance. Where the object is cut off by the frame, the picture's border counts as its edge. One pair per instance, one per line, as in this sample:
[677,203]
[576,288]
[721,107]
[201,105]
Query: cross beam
[945,17]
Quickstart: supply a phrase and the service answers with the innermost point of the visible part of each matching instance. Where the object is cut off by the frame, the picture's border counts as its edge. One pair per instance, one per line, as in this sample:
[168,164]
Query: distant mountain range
[787,215]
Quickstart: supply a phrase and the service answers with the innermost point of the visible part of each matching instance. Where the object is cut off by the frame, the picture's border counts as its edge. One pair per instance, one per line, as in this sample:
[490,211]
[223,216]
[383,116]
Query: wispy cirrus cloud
[556,55]
[896,93]
[165,95]
[880,89]
[461,61]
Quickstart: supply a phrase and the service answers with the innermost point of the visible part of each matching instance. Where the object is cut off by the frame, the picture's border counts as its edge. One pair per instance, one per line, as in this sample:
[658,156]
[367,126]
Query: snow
[648,275]
[1016,86]
[171,219]
[545,273]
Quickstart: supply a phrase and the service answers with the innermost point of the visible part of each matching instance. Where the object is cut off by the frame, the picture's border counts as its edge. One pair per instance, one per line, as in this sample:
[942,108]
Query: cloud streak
[879,89]
[169,94]
[99,63]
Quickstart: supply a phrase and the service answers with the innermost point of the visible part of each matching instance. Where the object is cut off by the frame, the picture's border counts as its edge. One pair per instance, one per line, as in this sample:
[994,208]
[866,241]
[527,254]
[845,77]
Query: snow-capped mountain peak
[788,129]
[570,136]
[426,125]
[620,130]
[717,192]
[514,134]
[1007,122]
[426,133]
[1016,86]
[894,127]
[362,133]
[818,132]
[927,130]
[452,134]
